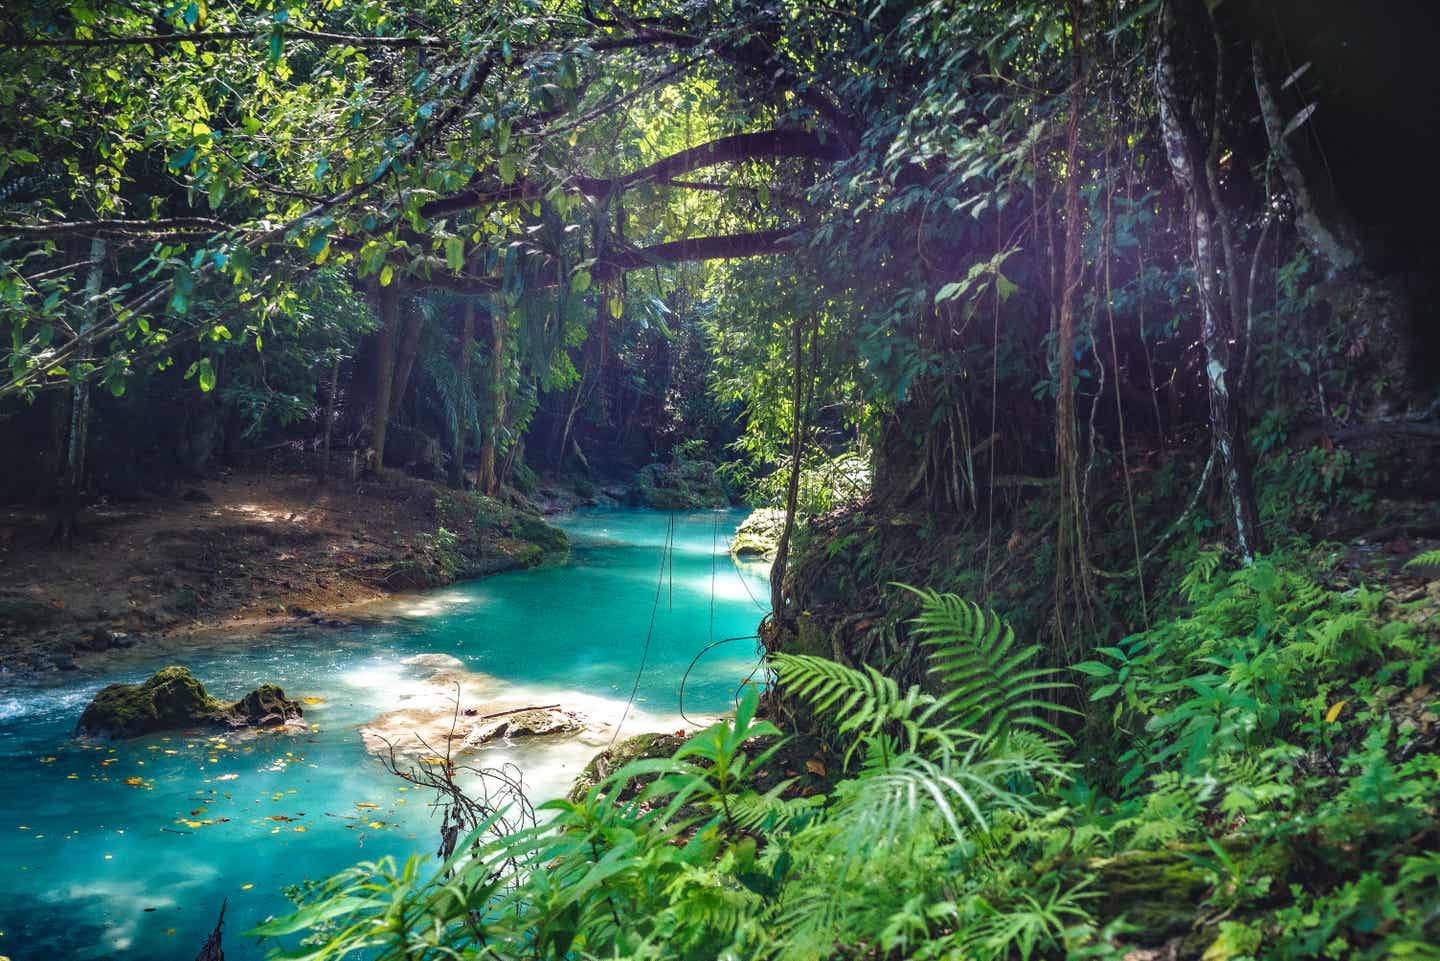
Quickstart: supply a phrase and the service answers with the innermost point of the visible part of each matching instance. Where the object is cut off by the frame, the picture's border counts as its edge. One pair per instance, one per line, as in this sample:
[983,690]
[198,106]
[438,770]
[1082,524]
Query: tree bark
[406,352]
[486,478]
[1319,221]
[1190,159]
[1071,562]
[462,365]
[384,374]
[72,478]
[330,419]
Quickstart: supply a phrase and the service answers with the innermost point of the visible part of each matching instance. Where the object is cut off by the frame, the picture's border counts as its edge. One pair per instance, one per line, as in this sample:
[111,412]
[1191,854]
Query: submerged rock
[759,534]
[175,698]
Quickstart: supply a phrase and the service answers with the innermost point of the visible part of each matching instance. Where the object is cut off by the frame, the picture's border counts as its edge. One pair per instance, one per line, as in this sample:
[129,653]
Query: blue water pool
[126,850]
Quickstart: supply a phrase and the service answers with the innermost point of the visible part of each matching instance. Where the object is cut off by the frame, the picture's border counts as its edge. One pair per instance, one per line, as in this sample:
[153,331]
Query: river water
[127,849]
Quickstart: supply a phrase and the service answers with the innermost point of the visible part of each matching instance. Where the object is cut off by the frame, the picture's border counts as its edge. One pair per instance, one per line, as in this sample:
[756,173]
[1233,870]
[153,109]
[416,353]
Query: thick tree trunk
[462,365]
[1191,158]
[406,352]
[384,374]
[487,479]
[1319,220]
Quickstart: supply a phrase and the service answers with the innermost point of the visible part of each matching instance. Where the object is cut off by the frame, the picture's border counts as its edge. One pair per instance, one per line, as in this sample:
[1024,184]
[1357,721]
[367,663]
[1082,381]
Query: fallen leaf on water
[135,781]
[312,700]
[227,777]
[300,828]
[366,805]
[281,817]
[246,887]
[377,824]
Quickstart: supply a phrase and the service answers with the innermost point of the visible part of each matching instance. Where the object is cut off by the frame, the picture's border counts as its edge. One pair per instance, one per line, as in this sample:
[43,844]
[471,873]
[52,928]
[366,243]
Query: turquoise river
[127,849]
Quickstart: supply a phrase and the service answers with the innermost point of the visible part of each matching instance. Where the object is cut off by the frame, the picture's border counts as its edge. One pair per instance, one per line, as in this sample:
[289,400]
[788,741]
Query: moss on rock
[175,698]
[630,749]
[759,534]
[1161,892]
[267,704]
[172,698]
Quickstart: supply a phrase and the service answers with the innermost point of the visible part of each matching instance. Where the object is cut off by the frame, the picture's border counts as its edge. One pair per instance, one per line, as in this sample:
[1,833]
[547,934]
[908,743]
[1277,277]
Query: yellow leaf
[377,824]
[815,767]
[246,887]
[1334,711]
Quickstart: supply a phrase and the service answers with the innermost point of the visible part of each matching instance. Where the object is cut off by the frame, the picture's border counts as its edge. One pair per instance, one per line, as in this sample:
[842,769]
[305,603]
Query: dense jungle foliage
[1087,348]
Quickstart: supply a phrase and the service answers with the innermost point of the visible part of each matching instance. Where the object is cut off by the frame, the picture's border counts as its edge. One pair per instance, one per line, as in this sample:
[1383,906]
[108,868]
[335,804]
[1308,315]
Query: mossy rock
[1161,892]
[550,539]
[267,704]
[678,486]
[609,761]
[174,698]
[759,534]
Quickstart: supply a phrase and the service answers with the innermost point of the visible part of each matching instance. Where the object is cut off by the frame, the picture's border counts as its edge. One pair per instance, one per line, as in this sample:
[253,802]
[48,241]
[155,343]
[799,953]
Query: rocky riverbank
[244,551]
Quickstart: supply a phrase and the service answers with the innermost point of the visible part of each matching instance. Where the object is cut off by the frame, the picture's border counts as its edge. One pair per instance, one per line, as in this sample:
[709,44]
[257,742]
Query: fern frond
[1202,571]
[1424,559]
[989,687]
[861,702]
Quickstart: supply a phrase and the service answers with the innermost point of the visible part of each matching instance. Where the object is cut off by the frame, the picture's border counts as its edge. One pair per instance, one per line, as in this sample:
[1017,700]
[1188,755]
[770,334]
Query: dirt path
[247,549]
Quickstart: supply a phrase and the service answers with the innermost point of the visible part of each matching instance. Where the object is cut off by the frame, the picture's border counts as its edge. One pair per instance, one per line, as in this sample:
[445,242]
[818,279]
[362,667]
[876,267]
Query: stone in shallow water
[175,698]
[759,534]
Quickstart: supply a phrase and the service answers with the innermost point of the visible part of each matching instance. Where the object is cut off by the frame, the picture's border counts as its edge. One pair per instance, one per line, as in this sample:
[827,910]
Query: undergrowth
[1258,779]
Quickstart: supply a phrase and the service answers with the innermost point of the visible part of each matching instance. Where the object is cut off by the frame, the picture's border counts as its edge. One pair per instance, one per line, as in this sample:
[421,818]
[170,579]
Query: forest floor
[245,550]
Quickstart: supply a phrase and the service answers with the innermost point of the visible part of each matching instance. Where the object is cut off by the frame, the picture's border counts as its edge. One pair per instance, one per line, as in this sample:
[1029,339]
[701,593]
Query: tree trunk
[801,408]
[384,374]
[1319,220]
[406,352]
[1071,561]
[462,365]
[330,419]
[487,479]
[1190,160]
[72,477]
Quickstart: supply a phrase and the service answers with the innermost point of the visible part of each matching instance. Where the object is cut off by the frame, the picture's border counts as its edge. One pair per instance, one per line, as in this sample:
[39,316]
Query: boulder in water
[759,534]
[533,722]
[175,698]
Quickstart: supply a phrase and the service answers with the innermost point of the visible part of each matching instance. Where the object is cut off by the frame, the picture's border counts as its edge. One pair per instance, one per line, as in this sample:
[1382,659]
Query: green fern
[861,702]
[1202,571]
[1424,559]
[989,686]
